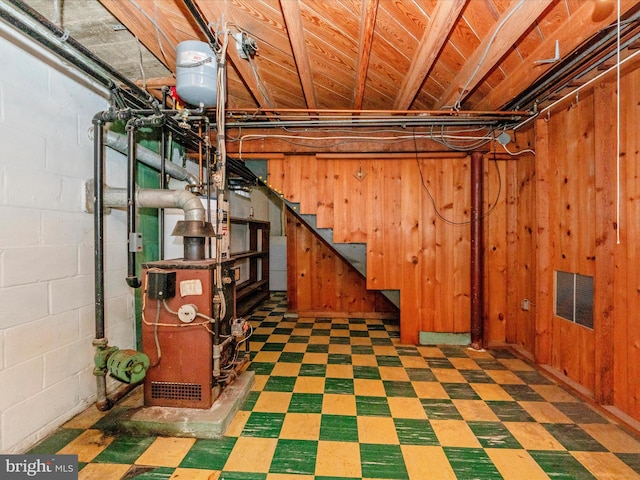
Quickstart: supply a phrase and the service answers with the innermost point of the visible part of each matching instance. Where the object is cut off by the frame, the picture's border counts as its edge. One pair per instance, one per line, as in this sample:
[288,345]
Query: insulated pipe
[151,159]
[477,252]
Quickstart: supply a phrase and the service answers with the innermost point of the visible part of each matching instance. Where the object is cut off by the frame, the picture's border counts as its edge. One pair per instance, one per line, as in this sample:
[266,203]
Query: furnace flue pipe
[477,251]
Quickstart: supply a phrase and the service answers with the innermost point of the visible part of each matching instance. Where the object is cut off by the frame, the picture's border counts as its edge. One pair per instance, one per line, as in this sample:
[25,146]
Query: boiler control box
[161,285]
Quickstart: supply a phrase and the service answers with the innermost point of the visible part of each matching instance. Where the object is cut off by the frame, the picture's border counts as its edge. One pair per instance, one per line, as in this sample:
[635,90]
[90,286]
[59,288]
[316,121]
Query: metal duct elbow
[194,228]
[192,206]
[187,201]
[154,198]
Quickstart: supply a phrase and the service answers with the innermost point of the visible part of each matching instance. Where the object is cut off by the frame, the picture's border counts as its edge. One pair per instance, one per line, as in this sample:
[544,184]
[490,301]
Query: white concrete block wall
[46,245]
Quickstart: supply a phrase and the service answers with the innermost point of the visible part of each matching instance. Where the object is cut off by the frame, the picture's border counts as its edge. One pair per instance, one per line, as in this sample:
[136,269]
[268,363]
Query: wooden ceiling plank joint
[512,25]
[293,21]
[367,22]
[435,35]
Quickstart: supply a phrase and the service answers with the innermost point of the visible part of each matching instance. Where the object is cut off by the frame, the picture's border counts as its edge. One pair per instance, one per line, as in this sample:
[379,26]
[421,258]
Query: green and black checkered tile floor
[340,398]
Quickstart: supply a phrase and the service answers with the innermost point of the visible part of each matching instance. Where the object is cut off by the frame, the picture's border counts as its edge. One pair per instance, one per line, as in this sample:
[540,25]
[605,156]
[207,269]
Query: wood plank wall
[556,211]
[572,249]
[387,201]
[577,198]
[626,297]
[319,282]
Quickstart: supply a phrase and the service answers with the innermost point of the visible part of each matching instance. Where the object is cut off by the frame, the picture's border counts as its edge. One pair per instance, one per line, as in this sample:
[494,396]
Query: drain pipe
[477,252]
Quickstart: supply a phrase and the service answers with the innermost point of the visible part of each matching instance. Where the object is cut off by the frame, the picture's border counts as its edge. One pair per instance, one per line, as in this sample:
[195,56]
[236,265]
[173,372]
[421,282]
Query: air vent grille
[176,391]
[574,298]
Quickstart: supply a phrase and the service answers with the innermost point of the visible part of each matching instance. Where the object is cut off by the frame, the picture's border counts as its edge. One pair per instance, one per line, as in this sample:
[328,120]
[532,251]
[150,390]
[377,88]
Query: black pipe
[207,155]
[571,67]
[98,210]
[132,280]
[199,18]
[132,174]
[100,342]
[477,252]
[59,32]
[98,223]
[163,177]
[88,63]
[114,397]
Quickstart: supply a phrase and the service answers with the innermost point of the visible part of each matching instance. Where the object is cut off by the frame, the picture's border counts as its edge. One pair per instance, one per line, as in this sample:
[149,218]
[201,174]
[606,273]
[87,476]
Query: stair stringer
[353,253]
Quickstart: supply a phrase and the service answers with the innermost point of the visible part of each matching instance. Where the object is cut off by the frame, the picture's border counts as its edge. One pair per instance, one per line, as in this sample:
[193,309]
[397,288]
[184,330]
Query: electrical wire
[435,206]
[231,364]
[154,22]
[157,29]
[515,154]
[220,180]
[140,64]
[456,105]
[618,161]
[259,82]
[155,335]
[156,323]
[442,138]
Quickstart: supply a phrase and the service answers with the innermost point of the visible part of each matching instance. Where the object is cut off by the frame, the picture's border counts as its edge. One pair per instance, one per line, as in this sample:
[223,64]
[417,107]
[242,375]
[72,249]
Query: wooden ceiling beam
[293,21]
[496,44]
[365,40]
[269,140]
[434,37]
[579,27]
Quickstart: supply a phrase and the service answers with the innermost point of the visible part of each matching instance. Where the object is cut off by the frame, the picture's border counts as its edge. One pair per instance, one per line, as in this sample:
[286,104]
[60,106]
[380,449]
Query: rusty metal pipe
[477,251]
[106,402]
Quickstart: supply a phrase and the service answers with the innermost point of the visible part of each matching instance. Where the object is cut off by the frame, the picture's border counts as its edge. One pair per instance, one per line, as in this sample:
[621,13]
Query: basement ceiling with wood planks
[387,55]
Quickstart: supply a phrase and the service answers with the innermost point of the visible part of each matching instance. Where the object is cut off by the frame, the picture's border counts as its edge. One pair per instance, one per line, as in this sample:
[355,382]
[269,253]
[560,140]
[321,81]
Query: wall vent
[574,298]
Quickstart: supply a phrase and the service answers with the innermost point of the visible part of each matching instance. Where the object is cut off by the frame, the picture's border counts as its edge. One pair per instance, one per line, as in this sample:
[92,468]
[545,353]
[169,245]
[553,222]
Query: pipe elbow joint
[192,206]
[104,405]
[134,282]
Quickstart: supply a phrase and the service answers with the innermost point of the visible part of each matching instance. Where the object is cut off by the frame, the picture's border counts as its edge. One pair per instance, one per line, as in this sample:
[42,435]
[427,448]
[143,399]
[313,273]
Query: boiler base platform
[131,416]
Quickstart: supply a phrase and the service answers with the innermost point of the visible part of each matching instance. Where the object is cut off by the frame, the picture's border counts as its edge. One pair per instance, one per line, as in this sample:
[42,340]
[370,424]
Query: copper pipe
[477,252]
